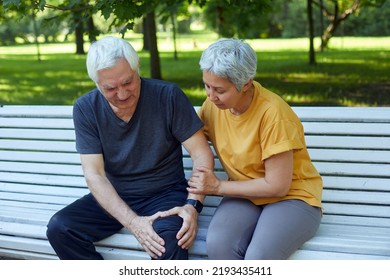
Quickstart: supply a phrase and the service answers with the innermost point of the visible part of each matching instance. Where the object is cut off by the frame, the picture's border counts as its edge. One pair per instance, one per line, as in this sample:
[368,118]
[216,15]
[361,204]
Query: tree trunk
[312,58]
[36,36]
[79,33]
[337,20]
[328,32]
[92,32]
[155,69]
[146,35]
[219,21]
[175,56]
[321,22]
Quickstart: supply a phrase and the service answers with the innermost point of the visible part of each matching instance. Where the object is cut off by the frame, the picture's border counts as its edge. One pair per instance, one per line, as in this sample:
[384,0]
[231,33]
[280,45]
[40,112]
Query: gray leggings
[240,229]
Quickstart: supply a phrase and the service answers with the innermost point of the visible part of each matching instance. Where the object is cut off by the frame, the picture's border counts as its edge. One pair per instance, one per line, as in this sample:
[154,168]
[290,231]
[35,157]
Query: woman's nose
[212,95]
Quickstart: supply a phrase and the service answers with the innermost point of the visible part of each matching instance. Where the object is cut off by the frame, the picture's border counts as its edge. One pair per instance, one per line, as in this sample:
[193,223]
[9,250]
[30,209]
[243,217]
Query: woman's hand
[203,181]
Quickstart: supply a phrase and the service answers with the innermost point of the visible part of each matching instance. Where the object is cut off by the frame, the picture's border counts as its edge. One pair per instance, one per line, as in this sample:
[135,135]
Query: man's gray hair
[231,59]
[106,52]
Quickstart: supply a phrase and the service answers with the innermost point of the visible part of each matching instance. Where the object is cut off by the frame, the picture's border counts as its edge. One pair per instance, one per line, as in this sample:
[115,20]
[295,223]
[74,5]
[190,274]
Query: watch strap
[196,203]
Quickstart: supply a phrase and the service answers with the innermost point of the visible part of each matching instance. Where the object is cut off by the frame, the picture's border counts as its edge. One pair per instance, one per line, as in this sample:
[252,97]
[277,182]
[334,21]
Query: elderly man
[129,133]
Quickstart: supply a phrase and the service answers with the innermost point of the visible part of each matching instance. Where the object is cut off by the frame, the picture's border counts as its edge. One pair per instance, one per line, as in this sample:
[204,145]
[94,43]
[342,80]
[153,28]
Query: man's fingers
[186,238]
[170,212]
[147,237]
[152,245]
[155,248]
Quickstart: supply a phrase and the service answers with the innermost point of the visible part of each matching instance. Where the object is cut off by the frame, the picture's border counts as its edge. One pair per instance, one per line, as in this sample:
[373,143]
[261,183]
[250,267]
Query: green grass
[353,72]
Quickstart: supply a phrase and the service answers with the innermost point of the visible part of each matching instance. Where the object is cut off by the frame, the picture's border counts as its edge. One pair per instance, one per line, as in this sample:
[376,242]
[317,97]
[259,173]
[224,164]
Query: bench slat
[44,111]
[327,128]
[74,168]
[30,206]
[355,220]
[329,195]
[37,216]
[329,207]
[356,183]
[39,246]
[25,255]
[37,123]
[347,245]
[354,169]
[42,179]
[329,154]
[42,168]
[357,197]
[346,155]
[355,210]
[325,168]
[46,199]
[11,129]
[43,247]
[121,254]
[360,156]
[348,142]
[47,134]
[46,190]
[29,145]
[343,114]
[42,157]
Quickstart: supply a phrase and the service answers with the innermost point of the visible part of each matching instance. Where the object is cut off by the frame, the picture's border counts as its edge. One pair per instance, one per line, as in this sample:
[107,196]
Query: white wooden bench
[40,173]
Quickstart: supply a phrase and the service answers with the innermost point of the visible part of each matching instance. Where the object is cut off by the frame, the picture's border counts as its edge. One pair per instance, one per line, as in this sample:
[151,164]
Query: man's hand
[187,233]
[142,228]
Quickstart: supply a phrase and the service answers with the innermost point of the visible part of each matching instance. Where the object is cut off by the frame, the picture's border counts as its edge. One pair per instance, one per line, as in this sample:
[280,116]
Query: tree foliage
[338,11]
[229,18]
[236,18]
[123,14]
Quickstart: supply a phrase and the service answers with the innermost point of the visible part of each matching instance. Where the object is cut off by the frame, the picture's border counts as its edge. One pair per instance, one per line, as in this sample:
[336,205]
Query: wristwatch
[196,203]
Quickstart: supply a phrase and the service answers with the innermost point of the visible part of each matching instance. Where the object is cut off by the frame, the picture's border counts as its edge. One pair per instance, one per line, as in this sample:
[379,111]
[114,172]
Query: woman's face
[221,91]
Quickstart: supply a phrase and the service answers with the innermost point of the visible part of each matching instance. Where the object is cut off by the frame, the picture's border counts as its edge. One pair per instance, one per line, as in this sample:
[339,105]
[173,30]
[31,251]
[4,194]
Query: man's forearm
[108,198]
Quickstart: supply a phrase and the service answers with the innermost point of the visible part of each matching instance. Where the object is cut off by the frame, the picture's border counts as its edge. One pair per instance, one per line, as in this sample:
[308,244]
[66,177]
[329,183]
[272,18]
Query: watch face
[196,203]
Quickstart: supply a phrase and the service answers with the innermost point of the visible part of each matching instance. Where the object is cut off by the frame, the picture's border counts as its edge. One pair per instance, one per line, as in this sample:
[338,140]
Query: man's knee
[54,227]
[167,228]
[59,227]
[172,250]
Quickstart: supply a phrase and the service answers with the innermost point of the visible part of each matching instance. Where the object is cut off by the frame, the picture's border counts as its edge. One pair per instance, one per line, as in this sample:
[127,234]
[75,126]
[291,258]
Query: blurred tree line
[33,21]
[268,19]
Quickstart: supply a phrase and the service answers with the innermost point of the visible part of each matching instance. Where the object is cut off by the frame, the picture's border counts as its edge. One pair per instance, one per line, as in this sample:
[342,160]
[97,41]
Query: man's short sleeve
[87,138]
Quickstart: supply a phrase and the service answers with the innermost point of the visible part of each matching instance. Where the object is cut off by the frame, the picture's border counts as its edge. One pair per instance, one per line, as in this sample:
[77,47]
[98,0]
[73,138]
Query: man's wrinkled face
[120,85]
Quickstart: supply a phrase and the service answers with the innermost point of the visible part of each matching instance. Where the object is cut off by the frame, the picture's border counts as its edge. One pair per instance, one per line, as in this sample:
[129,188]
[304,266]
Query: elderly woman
[272,199]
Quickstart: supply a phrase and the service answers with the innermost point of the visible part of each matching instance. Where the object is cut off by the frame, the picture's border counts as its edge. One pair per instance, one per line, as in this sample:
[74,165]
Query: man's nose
[122,93]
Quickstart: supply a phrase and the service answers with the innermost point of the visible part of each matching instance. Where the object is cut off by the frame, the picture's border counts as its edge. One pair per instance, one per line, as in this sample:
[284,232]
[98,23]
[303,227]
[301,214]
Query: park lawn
[352,72]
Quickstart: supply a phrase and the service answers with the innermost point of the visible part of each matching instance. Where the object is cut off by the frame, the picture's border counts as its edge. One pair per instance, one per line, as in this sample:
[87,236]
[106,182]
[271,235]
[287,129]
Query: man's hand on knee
[187,233]
[142,228]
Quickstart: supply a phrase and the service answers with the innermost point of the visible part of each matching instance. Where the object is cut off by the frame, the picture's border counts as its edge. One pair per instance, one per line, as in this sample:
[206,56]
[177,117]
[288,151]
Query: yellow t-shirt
[268,127]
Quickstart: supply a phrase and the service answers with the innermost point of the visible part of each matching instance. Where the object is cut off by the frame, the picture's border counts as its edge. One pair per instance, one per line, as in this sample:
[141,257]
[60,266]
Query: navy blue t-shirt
[142,157]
